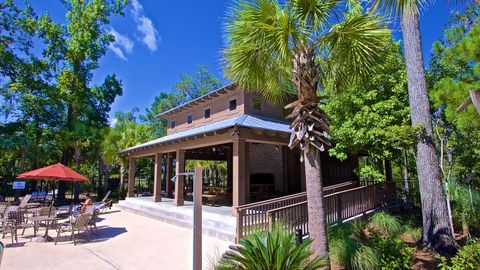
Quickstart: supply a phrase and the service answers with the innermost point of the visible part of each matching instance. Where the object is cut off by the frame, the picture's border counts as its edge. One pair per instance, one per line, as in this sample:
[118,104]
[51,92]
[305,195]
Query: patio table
[49,221]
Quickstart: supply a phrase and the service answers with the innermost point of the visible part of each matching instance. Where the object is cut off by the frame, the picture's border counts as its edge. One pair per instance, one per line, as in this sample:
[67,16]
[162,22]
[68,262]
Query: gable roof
[244,120]
[215,93]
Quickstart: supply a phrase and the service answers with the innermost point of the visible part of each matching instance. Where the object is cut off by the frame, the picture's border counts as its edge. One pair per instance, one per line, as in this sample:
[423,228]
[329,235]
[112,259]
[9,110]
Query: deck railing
[253,217]
[290,212]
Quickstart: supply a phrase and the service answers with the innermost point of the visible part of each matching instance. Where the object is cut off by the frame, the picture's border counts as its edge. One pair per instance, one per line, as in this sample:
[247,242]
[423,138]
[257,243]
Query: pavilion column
[157,178]
[180,168]
[168,183]
[240,177]
[132,166]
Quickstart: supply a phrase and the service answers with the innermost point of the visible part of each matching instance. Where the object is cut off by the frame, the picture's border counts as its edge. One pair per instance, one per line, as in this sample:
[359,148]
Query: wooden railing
[253,217]
[290,212]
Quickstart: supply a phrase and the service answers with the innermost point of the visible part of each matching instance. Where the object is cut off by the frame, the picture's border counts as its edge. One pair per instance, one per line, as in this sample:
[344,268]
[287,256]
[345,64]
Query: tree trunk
[122,176]
[62,186]
[436,228]
[388,170]
[100,177]
[405,171]
[306,83]
[316,211]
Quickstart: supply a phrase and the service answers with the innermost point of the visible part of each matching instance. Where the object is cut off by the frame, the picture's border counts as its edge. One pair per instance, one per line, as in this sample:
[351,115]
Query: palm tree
[437,232]
[272,47]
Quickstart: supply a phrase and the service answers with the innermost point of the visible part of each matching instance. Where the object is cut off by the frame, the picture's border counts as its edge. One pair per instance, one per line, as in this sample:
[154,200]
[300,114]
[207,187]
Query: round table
[49,220]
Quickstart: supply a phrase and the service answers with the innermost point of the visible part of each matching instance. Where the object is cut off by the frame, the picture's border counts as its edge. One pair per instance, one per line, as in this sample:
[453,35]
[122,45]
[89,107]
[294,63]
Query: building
[264,182]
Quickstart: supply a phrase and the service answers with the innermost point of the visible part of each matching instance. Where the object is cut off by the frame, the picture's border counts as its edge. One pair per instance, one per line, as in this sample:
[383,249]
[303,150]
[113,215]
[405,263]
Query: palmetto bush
[352,248]
[276,250]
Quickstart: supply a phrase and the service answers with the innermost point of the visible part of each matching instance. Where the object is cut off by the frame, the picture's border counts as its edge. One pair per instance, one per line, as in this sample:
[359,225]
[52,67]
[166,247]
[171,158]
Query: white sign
[18,184]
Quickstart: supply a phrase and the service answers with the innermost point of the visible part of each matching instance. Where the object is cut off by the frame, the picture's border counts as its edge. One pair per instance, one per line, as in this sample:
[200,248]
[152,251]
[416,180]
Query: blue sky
[159,40]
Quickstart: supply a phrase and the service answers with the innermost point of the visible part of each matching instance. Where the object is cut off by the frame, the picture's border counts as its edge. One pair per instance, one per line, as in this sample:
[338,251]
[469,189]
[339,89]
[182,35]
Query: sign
[18,185]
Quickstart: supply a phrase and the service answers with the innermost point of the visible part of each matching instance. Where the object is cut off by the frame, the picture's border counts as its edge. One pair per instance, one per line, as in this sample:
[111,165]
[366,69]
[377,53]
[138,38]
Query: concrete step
[213,224]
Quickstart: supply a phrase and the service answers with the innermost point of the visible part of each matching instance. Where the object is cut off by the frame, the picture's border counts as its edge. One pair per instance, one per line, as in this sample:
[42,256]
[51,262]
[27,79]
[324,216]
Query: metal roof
[243,120]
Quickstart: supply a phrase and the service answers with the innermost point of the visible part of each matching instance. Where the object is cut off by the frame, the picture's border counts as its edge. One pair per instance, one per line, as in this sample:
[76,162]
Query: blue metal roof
[243,120]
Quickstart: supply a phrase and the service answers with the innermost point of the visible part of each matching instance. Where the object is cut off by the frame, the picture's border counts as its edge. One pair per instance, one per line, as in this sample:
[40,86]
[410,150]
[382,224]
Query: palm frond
[258,55]
[354,46]
[313,14]
[399,7]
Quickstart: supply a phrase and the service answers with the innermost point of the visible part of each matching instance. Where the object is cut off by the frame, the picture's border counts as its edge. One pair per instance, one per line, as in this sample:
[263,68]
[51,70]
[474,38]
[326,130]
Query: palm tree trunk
[306,83]
[436,228]
[316,211]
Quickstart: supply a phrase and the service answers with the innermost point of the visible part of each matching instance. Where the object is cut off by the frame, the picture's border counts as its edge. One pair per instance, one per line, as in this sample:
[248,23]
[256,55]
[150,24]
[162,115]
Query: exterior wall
[265,159]
[335,171]
[219,110]
[267,109]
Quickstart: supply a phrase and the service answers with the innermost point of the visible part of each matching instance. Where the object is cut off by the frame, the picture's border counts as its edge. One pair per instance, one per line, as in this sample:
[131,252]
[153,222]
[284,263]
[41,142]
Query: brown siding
[219,110]
[269,110]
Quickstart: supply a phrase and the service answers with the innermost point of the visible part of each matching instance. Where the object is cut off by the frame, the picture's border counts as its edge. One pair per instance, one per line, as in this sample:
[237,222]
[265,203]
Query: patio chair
[92,222]
[16,220]
[2,248]
[6,224]
[3,208]
[78,224]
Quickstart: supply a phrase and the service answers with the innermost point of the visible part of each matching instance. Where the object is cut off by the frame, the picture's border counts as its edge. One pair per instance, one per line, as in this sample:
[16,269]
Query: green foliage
[414,233]
[393,253]
[468,258]
[372,116]
[263,36]
[385,224]
[276,250]
[382,248]
[365,258]
[455,69]
[465,202]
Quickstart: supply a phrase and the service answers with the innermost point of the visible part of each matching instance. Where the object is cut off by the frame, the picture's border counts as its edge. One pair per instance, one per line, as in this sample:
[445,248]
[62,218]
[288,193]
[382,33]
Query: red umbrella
[54,172]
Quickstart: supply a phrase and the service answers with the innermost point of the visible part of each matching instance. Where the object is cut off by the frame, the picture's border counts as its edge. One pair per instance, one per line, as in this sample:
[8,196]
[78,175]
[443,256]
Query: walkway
[124,241]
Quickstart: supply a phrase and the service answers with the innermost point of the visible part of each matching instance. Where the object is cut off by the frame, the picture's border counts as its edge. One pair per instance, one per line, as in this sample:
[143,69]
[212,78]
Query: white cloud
[121,44]
[145,26]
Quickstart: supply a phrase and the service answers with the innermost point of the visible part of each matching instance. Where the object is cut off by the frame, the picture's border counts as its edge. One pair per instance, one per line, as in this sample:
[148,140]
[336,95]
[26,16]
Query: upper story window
[207,113]
[233,104]
[256,104]
[189,119]
[172,124]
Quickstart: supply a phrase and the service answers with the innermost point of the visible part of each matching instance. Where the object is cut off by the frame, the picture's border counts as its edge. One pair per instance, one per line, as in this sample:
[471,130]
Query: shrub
[393,253]
[365,258]
[384,223]
[468,258]
[341,250]
[276,250]
[465,206]
[414,233]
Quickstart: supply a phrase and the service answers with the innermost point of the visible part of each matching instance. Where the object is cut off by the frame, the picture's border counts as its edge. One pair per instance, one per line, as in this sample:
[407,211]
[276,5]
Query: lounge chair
[102,205]
[24,201]
[79,224]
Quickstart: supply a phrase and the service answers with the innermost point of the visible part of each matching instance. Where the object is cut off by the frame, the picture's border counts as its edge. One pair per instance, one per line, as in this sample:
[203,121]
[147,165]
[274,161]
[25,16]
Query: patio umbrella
[56,172]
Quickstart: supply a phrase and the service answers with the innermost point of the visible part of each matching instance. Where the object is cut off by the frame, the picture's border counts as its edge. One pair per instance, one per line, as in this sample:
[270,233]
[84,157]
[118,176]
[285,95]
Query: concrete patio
[124,241]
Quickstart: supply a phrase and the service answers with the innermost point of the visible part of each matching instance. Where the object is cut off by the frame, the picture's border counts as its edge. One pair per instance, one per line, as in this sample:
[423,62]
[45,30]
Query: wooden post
[239,215]
[168,183]
[131,176]
[157,178]
[339,209]
[180,168]
[197,219]
[239,178]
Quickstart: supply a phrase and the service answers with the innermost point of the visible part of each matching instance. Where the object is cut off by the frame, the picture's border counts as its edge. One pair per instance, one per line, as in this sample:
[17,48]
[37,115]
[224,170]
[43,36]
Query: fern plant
[275,250]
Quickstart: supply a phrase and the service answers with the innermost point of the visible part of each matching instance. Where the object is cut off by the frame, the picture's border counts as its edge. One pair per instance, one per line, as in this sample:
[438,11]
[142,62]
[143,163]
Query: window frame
[189,119]
[209,113]
[230,104]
